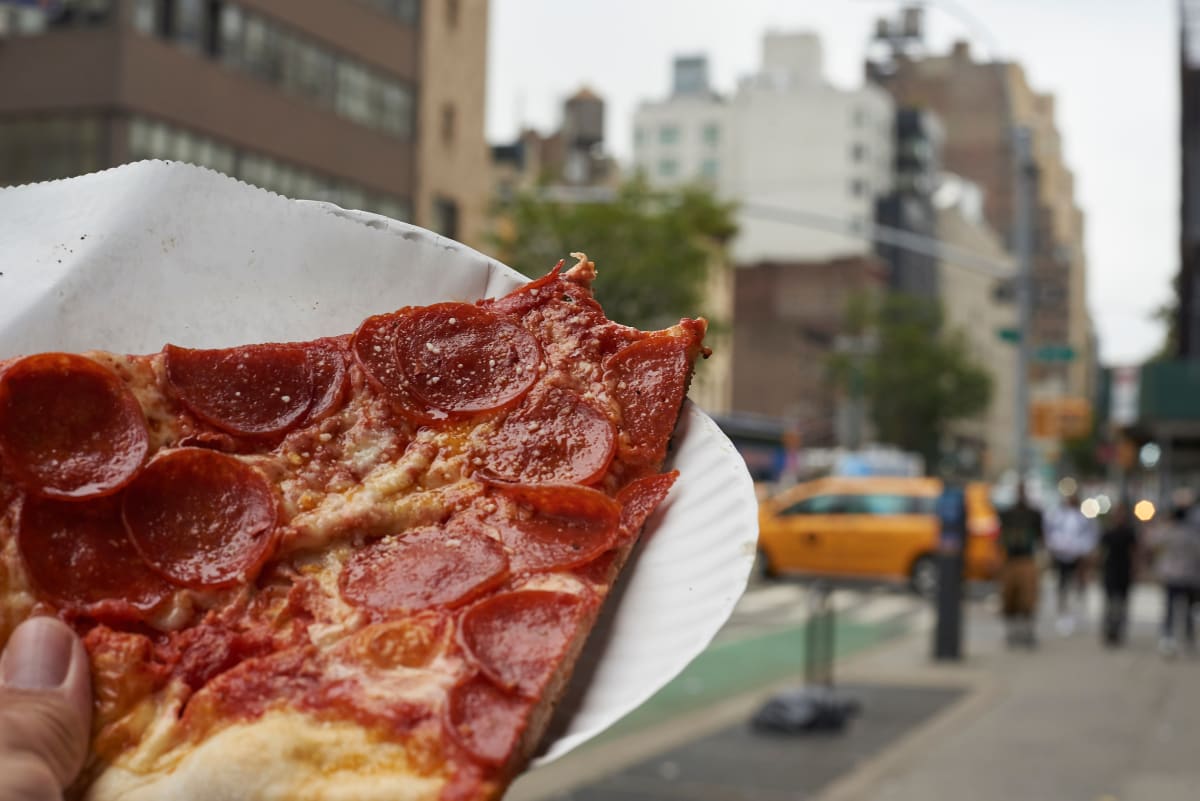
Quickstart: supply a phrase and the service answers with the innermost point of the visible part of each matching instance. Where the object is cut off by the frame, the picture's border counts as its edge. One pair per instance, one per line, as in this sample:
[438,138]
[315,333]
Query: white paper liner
[131,258]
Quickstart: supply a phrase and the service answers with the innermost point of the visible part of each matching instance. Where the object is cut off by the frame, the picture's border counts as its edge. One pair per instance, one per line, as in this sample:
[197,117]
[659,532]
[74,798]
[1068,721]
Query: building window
[147,16]
[711,134]
[297,64]
[668,134]
[668,168]
[859,118]
[639,137]
[452,13]
[42,148]
[445,217]
[187,22]
[403,10]
[33,18]
[709,170]
[858,152]
[858,187]
[151,139]
[448,121]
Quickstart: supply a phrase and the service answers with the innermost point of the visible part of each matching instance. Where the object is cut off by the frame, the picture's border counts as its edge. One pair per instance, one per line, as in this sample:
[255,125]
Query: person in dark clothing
[1020,538]
[1119,544]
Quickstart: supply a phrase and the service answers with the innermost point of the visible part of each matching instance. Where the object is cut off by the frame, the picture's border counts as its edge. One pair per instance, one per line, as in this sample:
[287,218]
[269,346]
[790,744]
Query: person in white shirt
[1071,538]
[1176,548]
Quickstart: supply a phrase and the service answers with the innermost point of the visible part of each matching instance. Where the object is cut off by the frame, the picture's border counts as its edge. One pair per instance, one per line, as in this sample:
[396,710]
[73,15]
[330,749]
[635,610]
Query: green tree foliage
[917,378]
[652,249]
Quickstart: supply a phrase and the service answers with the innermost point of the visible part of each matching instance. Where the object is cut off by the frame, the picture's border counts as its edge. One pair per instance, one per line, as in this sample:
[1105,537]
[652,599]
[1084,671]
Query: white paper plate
[154,252]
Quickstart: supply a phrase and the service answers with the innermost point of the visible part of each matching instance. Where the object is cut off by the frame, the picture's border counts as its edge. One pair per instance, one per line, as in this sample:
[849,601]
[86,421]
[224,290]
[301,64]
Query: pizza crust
[282,756]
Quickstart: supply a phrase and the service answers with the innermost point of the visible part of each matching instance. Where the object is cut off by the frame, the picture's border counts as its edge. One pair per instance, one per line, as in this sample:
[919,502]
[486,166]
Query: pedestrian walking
[1071,538]
[1020,538]
[1177,564]
[1119,546]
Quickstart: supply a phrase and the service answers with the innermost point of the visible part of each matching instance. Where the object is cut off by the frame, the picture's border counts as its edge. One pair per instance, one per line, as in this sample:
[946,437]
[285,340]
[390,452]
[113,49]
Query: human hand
[45,710]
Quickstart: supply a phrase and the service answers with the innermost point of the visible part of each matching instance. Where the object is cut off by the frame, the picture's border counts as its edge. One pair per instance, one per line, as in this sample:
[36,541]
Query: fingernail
[38,655]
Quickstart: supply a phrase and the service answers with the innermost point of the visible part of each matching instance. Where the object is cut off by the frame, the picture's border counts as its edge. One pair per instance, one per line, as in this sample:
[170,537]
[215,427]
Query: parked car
[874,528]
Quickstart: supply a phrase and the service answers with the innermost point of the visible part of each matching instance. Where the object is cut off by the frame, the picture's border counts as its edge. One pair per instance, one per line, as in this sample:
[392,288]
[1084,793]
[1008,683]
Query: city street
[1070,721]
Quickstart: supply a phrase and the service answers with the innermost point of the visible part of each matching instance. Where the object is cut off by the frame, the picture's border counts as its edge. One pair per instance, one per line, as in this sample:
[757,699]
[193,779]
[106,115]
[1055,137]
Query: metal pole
[1023,227]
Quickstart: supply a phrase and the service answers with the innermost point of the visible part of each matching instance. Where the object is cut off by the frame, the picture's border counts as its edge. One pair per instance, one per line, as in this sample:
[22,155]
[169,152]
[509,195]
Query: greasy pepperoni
[554,435]
[519,638]
[556,526]
[485,720]
[374,347]
[528,297]
[200,518]
[649,379]
[253,391]
[640,498]
[463,359]
[79,557]
[430,566]
[327,368]
[68,427]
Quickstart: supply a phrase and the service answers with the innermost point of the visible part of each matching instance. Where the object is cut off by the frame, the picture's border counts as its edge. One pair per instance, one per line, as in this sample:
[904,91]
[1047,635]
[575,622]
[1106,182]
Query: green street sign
[1054,353]
[1009,334]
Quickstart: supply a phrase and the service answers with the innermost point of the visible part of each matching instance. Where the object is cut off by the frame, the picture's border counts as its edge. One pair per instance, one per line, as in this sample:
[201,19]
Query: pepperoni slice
[201,519]
[69,428]
[327,369]
[374,348]
[79,557]
[560,526]
[640,498]
[519,638]
[463,359]
[255,390]
[649,380]
[554,435]
[428,566]
[485,720]
[524,299]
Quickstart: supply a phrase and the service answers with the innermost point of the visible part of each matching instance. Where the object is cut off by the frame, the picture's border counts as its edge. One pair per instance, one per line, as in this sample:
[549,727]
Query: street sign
[1009,334]
[1054,353]
[1060,418]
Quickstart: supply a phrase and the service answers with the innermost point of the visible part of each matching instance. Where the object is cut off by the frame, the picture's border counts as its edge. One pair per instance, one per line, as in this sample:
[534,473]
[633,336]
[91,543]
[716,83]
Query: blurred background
[953,242]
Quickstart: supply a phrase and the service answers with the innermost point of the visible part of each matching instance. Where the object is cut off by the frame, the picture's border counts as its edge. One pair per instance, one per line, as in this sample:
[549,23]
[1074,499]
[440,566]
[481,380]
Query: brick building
[371,104]
[790,322]
[980,104]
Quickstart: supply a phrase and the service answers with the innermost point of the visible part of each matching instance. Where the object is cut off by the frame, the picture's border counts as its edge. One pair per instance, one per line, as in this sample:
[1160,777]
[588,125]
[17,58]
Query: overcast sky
[1111,63]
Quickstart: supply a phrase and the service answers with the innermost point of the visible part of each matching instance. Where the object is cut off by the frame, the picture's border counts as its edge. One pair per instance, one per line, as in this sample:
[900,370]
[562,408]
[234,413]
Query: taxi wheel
[924,576]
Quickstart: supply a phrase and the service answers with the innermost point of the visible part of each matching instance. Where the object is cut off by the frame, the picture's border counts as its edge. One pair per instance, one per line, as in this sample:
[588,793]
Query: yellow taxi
[876,528]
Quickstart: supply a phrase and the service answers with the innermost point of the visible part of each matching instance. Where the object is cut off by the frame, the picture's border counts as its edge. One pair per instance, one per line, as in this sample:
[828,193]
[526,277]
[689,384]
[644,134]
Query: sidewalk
[1071,721]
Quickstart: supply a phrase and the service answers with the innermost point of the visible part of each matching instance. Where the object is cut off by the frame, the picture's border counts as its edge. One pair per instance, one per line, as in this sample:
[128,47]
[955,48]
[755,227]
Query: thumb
[45,710]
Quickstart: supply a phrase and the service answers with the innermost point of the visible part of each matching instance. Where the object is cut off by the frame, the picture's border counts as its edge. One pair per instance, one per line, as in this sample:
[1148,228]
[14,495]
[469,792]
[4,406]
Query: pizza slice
[360,567]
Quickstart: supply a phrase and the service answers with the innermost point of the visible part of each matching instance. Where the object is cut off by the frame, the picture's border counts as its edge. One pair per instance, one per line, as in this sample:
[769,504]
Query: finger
[45,705]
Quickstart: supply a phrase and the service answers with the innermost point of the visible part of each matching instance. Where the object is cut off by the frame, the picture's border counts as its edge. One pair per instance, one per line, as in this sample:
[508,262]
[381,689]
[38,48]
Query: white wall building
[968,301]
[682,139]
[786,140]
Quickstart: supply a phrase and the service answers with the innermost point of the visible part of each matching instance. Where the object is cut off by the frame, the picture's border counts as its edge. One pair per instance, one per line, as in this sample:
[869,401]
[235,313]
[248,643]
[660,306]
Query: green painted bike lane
[732,667]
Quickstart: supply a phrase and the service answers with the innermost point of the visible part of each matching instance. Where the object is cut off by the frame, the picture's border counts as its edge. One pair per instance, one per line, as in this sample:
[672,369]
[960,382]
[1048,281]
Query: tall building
[909,206]
[785,143]
[971,310]
[370,104]
[981,105]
